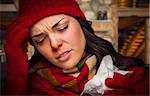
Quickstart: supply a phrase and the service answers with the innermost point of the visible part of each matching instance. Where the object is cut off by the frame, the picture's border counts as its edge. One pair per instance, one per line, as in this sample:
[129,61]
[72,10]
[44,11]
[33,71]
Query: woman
[69,59]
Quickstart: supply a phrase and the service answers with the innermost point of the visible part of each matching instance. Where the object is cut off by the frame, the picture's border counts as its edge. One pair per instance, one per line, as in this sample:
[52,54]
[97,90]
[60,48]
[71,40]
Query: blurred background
[125,23]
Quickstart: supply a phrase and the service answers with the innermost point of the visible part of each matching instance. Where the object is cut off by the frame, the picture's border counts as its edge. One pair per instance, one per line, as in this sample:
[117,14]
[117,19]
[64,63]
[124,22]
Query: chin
[71,63]
[68,66]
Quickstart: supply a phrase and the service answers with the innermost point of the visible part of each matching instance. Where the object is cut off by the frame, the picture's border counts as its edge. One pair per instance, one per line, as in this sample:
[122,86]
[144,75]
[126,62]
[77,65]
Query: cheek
[77,38]
[44,50]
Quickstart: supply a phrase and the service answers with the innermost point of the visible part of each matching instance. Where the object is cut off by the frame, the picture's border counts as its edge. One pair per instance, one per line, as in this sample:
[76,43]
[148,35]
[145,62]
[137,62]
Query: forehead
[49,22]
[52,19]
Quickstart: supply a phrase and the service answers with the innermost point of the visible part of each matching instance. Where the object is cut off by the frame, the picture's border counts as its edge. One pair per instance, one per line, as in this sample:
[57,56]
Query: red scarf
[45,79]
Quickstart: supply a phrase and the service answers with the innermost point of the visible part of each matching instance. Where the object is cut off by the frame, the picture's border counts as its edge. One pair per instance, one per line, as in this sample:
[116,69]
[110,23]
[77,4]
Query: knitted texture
[135,83]
[38,9]
[51,80]
[17,60]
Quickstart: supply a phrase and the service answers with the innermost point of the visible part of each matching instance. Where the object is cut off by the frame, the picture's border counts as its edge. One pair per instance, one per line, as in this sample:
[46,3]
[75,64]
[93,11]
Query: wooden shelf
[126,12]
[8,8]
[101,25]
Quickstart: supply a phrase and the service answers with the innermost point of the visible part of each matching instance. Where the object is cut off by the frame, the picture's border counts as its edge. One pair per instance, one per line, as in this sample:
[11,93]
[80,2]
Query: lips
[64,55]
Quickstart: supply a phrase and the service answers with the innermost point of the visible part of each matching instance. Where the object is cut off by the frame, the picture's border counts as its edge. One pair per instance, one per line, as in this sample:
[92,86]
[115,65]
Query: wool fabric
[38,9]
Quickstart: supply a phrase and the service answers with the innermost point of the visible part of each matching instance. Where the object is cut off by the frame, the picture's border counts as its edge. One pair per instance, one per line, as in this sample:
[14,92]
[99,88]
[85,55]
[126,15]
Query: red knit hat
[38,9]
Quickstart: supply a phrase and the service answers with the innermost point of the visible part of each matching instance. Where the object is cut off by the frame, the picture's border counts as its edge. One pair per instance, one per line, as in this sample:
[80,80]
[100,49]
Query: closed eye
[39,38]
[62,27]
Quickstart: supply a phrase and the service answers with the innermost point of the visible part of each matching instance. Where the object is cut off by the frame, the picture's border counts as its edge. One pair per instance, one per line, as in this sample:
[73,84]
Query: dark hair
[94,45]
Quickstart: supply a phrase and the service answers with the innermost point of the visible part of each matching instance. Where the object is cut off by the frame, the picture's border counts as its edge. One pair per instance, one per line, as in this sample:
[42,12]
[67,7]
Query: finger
[17,40]
[17,29]
[18,21]
[118,81]
[14,31]
[24,44]
[112,83]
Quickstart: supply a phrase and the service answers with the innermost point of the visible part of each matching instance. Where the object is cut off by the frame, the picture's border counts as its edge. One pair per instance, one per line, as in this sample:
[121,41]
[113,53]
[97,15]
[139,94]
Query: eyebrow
[57,23]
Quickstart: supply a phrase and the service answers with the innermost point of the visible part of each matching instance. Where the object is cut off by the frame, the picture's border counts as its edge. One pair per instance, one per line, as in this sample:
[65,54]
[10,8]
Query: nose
[55,42]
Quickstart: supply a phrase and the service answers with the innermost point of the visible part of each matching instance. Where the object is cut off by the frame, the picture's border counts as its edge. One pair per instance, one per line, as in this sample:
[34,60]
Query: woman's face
[60,39]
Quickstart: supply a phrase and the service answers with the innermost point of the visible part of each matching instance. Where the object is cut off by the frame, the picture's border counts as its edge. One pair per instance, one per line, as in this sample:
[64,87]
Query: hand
[17,60]
[120,84]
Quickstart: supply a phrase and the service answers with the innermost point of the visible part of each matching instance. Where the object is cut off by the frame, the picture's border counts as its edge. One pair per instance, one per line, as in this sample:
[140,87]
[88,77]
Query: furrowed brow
[57,23]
